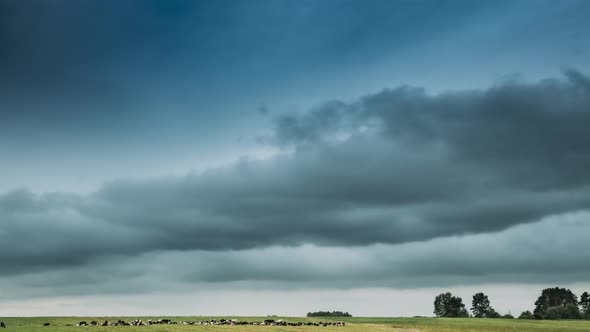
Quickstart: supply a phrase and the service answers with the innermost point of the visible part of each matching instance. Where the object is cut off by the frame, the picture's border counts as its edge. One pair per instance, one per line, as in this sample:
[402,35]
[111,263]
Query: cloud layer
[397,189]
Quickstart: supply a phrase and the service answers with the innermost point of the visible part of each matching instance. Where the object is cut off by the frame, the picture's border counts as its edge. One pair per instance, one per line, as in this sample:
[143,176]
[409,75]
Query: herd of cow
[139,322]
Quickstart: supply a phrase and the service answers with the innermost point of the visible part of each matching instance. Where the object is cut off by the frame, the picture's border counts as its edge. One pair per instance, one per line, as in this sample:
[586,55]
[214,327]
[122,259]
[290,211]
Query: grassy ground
[353,325]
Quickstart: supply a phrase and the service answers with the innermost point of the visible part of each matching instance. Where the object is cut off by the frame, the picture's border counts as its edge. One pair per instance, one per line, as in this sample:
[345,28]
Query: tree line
[553,303]
[328,314]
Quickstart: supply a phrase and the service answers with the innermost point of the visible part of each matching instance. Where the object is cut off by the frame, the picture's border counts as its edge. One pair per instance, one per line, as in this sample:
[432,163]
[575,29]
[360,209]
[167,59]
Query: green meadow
[356,324]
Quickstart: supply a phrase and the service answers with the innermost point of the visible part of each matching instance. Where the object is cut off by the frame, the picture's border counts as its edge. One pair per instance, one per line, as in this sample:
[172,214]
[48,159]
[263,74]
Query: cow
[2,325]
[46,324]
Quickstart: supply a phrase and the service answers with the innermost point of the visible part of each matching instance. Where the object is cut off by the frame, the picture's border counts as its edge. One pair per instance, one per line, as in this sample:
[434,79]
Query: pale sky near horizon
[278,157]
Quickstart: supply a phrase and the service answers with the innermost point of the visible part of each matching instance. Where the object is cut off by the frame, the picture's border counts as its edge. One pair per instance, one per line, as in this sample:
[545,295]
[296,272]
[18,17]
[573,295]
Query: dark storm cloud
[513,255]
[517,255]
[395,167]
[509,131]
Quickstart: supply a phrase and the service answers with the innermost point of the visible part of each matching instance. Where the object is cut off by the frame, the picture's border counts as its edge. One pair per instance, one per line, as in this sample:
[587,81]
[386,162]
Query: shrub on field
[493,314]
[526,315]
[569,311]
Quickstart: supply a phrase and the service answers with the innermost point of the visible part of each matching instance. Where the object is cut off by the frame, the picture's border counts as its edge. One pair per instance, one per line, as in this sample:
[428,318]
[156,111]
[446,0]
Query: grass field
[353,325]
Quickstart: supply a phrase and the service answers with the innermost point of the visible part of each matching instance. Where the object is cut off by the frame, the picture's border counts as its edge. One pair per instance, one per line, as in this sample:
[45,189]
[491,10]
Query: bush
[508,316]
[493,314]
[526,315]
[568,311]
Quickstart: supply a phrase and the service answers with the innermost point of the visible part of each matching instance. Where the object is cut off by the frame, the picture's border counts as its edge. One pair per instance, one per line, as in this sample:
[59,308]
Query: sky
[279,157]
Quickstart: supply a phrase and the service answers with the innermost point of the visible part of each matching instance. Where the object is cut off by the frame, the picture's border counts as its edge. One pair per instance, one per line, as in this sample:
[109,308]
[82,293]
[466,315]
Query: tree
[481,305]
[585,305]
[556,303]
[440,304]
[526,315]
[447,305]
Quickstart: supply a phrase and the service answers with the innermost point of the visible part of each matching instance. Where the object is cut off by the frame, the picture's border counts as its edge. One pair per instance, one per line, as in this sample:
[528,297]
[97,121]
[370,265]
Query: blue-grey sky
[246,135]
